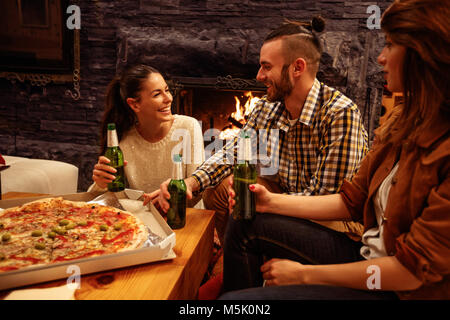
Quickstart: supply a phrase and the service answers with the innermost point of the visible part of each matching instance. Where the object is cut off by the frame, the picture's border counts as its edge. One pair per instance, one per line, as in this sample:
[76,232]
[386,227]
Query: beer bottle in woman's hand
[244,175]
[114,154]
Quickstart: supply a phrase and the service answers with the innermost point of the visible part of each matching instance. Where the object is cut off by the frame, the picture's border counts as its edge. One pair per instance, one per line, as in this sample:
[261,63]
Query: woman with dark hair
[139,103]
[401,193]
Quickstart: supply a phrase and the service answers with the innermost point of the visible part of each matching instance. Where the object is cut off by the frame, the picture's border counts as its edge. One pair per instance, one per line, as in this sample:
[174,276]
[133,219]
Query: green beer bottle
[114,154]
[244,175]
[176,216]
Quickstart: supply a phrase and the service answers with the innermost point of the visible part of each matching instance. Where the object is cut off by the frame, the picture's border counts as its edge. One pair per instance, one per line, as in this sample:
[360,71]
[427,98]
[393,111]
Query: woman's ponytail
[116,111]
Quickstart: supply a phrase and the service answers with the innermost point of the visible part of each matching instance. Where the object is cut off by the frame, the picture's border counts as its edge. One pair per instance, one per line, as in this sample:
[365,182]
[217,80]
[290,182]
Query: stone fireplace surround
[228,60]
[194,43]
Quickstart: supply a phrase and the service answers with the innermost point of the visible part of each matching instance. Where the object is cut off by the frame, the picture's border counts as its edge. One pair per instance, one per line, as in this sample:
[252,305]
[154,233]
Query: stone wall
[201,38]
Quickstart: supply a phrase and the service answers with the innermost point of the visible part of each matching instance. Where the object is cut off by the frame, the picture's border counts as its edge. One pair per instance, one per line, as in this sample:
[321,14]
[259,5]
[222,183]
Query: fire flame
[240,115]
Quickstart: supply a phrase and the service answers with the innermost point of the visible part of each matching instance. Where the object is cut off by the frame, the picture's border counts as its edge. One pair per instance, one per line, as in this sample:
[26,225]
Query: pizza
[55,230]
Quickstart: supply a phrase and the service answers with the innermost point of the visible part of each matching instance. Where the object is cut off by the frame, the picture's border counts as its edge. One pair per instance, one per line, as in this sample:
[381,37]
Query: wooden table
[179,278]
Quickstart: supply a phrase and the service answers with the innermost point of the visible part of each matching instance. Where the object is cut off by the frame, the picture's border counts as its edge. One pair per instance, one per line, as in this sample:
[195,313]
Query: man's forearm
[192,183]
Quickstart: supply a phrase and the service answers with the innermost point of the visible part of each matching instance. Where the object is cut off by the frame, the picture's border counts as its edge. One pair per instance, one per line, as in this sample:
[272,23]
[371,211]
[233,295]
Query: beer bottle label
[112,139]
[247,149]
[244,148]
[177,173]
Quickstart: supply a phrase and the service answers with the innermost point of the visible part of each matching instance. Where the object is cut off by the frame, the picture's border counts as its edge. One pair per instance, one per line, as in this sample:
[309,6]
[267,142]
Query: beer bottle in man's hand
[176,216]
[244,175]
[114,154]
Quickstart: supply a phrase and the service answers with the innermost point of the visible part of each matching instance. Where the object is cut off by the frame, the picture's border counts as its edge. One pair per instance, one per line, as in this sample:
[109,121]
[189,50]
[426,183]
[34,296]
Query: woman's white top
[373,238]
[150,164]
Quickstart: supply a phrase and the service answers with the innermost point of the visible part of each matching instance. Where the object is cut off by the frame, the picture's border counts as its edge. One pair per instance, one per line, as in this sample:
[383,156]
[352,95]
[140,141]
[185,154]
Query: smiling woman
[139,102]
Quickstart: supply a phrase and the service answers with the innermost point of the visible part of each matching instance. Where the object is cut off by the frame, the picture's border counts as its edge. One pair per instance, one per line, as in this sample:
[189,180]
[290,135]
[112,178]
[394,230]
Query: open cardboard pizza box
[149,215]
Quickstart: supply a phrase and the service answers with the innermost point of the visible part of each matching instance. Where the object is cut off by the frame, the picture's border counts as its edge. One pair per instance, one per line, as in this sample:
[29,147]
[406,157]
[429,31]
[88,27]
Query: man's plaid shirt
[311,157]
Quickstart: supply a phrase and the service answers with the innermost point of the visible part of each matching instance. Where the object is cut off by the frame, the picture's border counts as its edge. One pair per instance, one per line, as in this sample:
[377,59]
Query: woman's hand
[278,272]
[263,196]
[103,173]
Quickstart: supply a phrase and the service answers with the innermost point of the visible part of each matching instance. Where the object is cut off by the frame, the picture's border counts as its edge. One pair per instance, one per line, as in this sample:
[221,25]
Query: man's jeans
[249,244]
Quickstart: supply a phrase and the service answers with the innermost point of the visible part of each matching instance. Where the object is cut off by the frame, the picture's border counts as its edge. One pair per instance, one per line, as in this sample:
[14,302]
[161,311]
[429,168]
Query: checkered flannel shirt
[311,157]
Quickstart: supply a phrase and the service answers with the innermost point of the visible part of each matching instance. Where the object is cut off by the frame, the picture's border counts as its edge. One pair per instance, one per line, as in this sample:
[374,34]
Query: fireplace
[221,103]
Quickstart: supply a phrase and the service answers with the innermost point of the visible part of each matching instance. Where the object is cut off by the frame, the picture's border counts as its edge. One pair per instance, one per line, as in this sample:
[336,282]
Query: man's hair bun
[318,24]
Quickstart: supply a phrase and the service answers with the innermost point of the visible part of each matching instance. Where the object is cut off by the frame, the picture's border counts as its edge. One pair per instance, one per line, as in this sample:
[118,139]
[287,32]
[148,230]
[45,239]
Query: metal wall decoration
[76,67]
[229,82]
[219,83]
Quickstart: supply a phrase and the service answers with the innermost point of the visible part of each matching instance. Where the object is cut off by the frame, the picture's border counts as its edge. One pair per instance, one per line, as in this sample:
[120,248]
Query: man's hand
[153,197]
[164,195]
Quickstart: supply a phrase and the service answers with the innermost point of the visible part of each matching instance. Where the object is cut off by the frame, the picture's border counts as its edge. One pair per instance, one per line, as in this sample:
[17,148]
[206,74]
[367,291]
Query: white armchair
[38,176]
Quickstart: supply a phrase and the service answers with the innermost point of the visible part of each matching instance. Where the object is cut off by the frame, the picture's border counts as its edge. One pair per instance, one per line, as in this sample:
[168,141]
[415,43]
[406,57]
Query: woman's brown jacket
[417,226]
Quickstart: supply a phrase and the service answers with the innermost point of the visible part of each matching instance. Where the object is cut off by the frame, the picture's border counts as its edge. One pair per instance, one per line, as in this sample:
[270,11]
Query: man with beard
[312,134]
